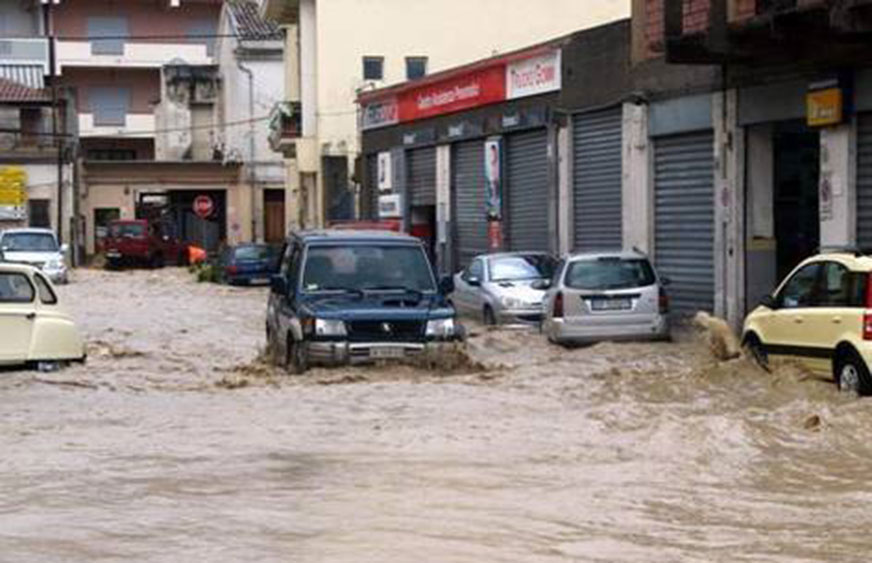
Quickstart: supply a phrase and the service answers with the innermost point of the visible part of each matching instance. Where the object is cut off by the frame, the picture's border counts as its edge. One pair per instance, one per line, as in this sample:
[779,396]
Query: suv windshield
[29,242]
[609,273]
[521,267]
[127,230]
[363,267]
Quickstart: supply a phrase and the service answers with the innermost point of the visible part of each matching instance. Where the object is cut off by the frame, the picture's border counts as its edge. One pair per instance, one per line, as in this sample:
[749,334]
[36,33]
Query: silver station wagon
[606,296]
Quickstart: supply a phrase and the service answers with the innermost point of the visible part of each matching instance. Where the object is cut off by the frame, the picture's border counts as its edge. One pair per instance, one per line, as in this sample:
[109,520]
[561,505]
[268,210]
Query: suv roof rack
[848,249]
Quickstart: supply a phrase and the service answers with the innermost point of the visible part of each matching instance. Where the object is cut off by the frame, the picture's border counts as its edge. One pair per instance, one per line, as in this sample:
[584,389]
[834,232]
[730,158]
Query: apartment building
[337,49]
[143,79]
[32,160]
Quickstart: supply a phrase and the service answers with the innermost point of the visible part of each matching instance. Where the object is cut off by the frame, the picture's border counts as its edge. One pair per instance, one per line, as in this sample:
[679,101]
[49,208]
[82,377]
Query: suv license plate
[386,353]
[610,304]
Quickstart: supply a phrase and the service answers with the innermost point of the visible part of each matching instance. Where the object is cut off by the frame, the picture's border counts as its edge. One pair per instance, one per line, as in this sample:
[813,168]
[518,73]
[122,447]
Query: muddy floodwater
[174,443]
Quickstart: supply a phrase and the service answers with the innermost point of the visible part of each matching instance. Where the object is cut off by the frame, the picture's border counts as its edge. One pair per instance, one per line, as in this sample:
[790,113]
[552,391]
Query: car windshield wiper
[350,290]
[402,288]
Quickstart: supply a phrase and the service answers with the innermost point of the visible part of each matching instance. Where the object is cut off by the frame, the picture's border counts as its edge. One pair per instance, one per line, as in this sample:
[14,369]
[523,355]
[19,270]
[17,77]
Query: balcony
[136,125]
[763,31]
[132,55]
[285,127]
[24,60]
[24,147]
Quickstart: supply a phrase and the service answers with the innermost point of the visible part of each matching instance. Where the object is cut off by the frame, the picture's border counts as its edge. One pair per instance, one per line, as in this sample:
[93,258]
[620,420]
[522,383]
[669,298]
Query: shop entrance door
[796,171]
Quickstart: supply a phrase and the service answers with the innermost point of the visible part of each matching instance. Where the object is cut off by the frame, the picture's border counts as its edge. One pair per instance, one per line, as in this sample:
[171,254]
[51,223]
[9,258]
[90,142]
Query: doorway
[796,171]
[274,216]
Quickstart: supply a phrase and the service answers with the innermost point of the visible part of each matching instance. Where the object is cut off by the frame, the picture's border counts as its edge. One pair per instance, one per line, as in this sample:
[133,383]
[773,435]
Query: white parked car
[606,296]
[33,326]
[38,248]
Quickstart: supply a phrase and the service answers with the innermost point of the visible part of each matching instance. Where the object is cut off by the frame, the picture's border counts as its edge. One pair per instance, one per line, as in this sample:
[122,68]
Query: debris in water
[812,423]
[722,342]
[102,349]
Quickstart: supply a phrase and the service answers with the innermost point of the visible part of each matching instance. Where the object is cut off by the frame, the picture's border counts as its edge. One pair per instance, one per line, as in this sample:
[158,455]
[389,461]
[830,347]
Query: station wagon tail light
[232,269]
[557,310]
[663,301]
[867,316]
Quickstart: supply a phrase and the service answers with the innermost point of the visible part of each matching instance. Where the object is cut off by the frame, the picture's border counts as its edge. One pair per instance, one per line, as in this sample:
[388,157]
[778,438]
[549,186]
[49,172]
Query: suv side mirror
[446,285]
[541,285]
[65,248]
[665,282]
[473,281]
[279,285]
[769,302]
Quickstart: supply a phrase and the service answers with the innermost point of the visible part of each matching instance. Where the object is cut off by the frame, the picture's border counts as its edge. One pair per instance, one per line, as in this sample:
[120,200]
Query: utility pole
[52,74]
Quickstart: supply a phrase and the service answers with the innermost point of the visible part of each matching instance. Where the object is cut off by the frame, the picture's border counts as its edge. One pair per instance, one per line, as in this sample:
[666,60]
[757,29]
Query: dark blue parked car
[346,297]
[249,264]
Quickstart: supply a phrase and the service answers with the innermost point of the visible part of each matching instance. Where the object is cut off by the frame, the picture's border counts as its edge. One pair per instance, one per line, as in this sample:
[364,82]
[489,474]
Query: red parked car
[142,242]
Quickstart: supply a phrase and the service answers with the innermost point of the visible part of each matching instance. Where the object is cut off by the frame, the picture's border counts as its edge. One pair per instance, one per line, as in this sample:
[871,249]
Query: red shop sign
[471,90]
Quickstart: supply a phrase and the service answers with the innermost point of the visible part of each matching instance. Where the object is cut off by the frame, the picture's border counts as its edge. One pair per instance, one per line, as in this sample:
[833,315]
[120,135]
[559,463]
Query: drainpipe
[251,176]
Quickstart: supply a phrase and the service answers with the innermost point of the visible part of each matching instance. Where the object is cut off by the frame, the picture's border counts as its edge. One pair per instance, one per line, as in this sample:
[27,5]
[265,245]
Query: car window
[252,253]
[609,273]
[29,242]
[46,295]
[367,267]
[801,289]
[127,230]
[476,270]
[521,267]
[841,287]
[15,288]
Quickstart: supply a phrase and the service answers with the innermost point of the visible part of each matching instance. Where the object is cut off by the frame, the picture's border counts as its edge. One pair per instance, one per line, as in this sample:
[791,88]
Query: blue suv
[348,297]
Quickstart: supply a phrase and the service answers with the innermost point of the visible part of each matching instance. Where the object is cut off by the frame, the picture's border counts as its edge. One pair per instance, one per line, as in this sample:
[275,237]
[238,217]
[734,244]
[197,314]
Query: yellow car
[33,327]
[821,315]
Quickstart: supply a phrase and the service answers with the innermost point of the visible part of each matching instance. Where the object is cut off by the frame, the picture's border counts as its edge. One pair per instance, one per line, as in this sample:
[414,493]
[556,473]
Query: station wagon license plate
[611,304]
[387,353]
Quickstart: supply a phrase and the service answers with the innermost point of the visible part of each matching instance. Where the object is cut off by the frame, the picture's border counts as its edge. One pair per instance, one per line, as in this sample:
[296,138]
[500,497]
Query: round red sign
[203,206]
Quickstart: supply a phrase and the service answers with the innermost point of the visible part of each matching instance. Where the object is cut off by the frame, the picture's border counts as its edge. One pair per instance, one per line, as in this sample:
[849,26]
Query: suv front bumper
[345,353]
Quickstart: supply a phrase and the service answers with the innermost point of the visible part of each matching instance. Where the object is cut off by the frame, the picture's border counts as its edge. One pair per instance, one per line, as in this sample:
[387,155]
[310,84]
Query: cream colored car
[821,316]
[33,326]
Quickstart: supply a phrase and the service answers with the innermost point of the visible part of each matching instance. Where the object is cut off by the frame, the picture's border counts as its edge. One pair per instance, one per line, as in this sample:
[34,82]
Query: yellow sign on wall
[13,192]
[824,107]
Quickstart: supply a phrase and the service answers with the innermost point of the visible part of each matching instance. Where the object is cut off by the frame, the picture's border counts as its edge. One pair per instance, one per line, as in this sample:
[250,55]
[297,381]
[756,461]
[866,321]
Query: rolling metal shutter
[527,178]
[372,186]
[864,181]
[421,179]
[468,189]
[684,218]
[597,180]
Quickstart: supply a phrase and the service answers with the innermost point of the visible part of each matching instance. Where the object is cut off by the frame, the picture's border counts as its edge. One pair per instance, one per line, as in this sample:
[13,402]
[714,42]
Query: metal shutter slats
[527,177]
[421,178]
[468,187]
[372,181]
[684,218]
[864,181]
[597,140]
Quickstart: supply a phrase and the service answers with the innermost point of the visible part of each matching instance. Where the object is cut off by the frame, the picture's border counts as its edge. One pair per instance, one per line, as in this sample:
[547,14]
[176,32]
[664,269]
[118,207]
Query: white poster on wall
[385,172]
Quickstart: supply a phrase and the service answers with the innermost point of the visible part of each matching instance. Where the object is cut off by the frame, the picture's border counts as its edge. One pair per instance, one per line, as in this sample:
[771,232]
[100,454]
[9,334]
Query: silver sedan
[503,288]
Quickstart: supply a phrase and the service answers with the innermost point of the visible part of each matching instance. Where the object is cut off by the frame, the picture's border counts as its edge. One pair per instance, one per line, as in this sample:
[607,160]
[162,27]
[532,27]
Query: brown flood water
[171,445]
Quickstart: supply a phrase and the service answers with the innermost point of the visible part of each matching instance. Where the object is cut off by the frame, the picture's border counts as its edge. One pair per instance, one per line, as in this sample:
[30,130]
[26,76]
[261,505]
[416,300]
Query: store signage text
[497,83]
[531,77]
[824,107]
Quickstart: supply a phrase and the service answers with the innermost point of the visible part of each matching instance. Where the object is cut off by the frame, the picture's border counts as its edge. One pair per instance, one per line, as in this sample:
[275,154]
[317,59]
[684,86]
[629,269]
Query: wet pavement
[175,443]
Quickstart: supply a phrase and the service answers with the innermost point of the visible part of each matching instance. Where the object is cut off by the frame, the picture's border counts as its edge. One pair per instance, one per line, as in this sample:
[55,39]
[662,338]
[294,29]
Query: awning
[26,75]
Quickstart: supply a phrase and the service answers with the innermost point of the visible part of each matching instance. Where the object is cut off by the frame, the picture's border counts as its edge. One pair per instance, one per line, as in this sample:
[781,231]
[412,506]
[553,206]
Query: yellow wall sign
[824,107]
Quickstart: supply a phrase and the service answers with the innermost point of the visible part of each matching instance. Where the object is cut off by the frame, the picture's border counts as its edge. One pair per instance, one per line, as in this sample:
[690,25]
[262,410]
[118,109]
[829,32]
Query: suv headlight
[441,328]
[327,327]
[53,264]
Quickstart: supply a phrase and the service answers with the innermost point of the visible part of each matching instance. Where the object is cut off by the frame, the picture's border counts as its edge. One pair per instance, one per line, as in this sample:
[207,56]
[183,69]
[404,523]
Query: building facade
[144,82]
[339,48]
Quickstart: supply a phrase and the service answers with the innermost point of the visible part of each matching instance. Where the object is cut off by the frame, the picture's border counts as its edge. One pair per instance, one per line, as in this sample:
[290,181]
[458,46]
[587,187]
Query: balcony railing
[24,145]
[135,125]
[133,54]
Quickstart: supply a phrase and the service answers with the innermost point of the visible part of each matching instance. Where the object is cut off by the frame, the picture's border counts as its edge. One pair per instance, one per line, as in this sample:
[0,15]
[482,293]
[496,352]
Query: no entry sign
[203,206]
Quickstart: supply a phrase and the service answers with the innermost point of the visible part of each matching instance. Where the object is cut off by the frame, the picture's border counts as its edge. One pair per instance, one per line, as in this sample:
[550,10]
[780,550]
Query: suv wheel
[852,375]
[296,362]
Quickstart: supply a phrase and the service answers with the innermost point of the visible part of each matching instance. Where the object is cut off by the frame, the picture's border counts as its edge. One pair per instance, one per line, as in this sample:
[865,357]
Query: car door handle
[837,320]
[798,320]
[30,316]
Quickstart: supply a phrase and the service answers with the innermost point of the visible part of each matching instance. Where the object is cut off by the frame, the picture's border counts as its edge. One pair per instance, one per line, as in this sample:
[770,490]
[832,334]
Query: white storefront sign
[533,76]
[390,206]
[381,114]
